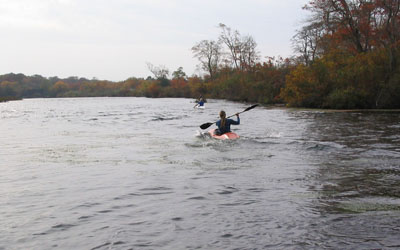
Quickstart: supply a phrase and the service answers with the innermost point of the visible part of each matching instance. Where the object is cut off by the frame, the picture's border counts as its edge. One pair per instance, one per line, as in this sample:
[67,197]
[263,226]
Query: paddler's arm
[238,120]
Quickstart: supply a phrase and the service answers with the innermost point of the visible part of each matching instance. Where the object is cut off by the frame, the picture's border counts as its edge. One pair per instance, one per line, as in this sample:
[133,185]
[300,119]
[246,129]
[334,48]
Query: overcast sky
[114,39]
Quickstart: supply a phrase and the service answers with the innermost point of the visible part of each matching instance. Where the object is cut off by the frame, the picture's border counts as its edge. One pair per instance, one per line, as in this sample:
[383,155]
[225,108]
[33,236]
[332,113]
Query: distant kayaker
[200,103]
[224,125]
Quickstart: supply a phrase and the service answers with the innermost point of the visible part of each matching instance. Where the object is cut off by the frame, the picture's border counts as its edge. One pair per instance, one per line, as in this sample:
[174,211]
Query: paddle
[208,124]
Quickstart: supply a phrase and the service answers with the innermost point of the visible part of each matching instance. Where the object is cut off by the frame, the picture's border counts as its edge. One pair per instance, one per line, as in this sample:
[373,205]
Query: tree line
[345,56]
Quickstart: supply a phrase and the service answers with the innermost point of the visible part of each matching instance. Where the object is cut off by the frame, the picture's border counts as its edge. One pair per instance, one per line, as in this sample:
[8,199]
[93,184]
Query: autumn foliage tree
[355,64]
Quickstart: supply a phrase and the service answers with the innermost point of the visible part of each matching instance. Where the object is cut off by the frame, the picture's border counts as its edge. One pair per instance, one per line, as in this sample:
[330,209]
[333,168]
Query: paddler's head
[222,114]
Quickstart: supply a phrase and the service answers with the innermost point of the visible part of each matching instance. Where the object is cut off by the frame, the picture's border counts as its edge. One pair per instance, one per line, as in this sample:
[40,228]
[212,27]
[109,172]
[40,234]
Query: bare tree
[159,72]
[307,42]
[249,55]
[209,54]
[242,50]
[232,40]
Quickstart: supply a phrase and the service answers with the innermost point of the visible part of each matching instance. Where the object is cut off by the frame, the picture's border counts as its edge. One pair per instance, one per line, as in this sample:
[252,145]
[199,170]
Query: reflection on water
[358,178]
[362,156]
[136,173]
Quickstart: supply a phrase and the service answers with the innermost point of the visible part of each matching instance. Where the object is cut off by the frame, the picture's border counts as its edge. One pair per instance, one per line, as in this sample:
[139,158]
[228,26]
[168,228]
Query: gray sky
[113,39]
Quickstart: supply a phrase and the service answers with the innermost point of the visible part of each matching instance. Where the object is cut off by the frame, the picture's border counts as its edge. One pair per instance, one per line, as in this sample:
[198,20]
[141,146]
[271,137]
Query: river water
[136,173]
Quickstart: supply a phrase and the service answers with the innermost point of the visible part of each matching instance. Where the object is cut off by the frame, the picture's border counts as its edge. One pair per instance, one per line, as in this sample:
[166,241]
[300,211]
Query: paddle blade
[251,107]
[206,125]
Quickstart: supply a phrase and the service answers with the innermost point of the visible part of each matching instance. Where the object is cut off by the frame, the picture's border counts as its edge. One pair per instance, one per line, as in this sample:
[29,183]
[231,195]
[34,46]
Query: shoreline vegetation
[349,61]
[346,110]
[9,98]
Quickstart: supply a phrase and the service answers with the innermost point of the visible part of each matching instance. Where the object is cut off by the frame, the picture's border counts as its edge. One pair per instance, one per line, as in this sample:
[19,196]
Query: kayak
[226,136]
[200,107]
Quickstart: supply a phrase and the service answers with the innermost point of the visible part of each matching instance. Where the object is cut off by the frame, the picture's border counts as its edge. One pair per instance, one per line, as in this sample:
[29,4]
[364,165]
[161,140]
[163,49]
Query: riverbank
[348,110]
[6,99]
[278,106]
